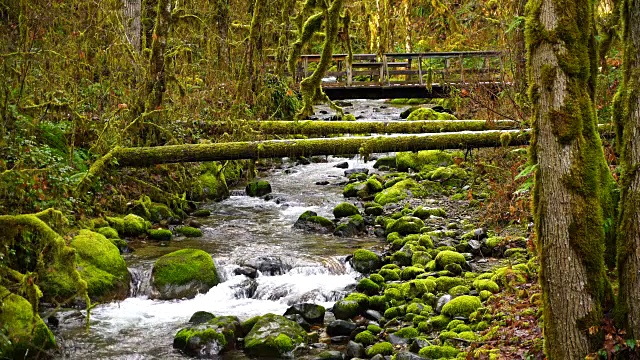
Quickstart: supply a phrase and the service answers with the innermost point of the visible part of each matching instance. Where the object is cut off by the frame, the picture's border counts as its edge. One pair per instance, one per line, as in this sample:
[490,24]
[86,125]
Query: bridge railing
[408,68]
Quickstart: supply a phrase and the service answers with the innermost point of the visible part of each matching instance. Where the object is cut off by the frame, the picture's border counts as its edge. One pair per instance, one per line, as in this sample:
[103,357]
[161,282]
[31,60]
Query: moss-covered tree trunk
[568,151]
[628,118]
[255,44]
[133,27]
[157,82]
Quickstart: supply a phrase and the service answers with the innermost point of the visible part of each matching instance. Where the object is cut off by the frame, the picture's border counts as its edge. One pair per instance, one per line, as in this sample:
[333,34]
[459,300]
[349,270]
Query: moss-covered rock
[405,225]
[134,225]
[258,188]
[373,185]
[389,275]
[211,185]
[211,337]
[462,306]
[189,231]
[459,290]
[486,284]
[201,213]
[439,352]
[423,160]
[411,272]
[345,209]
[183,274]
[365,261]
[452,172]
[382,348]
[350,306]
[352,189]
[373,209]
[310,221]
[274,336]
[425,113]
[160,234]
[445,283]
[366,338]
[447,257]
[108,232]
[101,266]
[23,334]
[399,191]
[351,226]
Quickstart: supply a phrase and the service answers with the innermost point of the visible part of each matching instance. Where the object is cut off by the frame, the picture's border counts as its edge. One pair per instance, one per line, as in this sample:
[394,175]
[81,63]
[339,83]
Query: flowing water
[303,267]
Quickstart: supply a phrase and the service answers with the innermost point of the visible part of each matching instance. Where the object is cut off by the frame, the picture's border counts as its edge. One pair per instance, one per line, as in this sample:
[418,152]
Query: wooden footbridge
[406,75]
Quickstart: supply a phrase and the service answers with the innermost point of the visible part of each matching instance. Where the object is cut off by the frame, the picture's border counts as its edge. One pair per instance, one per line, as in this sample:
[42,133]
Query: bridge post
[420,70]
[349,73]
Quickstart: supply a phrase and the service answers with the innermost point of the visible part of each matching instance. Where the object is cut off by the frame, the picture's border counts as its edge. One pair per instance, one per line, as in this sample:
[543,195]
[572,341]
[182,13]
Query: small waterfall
[140,282]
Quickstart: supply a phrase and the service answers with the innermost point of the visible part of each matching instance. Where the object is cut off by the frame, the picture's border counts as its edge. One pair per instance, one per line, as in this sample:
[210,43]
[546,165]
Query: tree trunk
[157,81]
[568,151]
[145,156]
[133,25]
[255,44]
[325,128]
[519,53]
[223,21]
[628,117]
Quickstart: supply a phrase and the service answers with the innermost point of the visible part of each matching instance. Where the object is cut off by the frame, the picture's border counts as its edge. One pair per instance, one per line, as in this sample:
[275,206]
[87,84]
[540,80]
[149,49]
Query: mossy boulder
[426,160]
[446,173]
[211,337]
[352,189]
[189,231]
[258,188]
[399,191]
[405,225]
[351,226]
[462,306]
[183,274]
[373,209]
[134,225]
[445,283]
[345,209]
[26,333]
[160,234]
[411,272]
[382,348]
[101,266]
[439,352]
[486,284]
[108,232]
[425,113]
[368,286]
[211,185]
[365,261]
[310,221]
[274,336]
[352,305]
[448,257]
[366,338]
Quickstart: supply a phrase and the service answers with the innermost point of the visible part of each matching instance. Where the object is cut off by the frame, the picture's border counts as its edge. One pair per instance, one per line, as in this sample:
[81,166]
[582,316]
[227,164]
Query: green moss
[365,261]
[446,173]
[411,272]
[116,223]
[381,348]
[445,283]
[389,275]
[134,225]
[485,284]
[183,267]
[366,338]
[462,306]
[439,322]
[393,294]
[201,213]
[439,352]
[101,266]
[494,241]
[373,185]
[405,225]
[108,232]
[447,257]
[377,278]
[258,188]
[398,191]
[345,210]
[211,185]
[189,231]
[423,160]
[459,290]
[160,234]
[484,295]
[425,113]
[374,329]
[274,336]
[368,287]
[26,334]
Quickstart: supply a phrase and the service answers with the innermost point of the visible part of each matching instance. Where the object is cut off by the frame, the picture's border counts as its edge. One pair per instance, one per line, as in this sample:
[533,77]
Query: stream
[297,266]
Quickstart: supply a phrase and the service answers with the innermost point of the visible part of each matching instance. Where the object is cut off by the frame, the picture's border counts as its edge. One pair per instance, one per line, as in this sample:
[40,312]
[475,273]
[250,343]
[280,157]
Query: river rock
[442,301]
[310,221]
[373,315]
[269,265]
[365,261]
[351,226]
[258,188]
[247,271]
[274,336]
[340,339]
[322,183]
[209,339]
[407,355]
[342,165]
[312,313]
[330,355]
[354,350]
[183,274]
[298,319]
[356,171]
[200,317]
[340,328]
[245,289]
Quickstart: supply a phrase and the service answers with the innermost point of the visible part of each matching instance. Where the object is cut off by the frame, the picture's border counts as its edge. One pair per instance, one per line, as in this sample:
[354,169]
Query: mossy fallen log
[325,128]
[145,156]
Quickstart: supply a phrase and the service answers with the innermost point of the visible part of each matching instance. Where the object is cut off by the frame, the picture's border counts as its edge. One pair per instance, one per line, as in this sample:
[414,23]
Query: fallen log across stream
[325,128]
